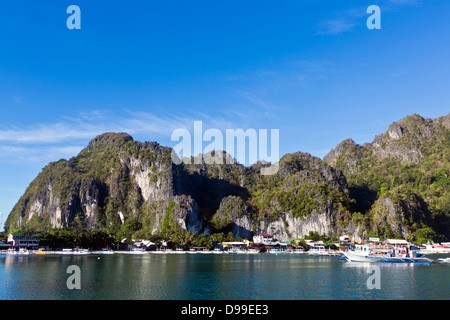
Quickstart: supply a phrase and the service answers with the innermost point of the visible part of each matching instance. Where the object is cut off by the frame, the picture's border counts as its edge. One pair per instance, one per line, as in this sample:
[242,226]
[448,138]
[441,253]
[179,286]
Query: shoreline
[178,252]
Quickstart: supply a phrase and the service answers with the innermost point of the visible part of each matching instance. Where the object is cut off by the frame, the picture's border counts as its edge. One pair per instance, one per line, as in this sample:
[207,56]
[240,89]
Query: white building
[4,246]
[263,238]
[145,244]
[23,241]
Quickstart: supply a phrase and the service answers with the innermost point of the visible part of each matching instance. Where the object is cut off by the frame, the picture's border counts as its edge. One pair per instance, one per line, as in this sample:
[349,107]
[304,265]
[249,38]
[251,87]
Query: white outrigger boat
[81,252]
[20,252]
[75,252]
[138,251]
[365,253]
[105,251]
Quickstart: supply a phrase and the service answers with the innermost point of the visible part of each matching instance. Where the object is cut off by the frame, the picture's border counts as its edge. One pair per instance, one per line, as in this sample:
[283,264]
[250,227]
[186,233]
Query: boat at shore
[429,248]
[395,254]
[73,252]
[107,252]
[81,252]
[138,251]
[21,252]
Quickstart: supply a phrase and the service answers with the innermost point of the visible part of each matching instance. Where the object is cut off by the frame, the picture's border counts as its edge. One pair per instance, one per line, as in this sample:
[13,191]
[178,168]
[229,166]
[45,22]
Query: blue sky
[311,69]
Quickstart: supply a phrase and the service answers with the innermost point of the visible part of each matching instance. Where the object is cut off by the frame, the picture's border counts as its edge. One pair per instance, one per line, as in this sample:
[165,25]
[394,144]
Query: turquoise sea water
[216,277]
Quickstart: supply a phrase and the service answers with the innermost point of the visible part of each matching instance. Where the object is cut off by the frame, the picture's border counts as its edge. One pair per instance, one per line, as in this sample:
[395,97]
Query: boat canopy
[397,241]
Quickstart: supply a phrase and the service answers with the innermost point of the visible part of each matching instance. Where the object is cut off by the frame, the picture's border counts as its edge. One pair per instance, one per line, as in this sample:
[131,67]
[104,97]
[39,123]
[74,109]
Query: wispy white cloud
[7,151]
[348,19]
[256,87]
[341,21]
[66,136]
[336,25]
[89,125]
[253,102]
[37,153]
[259,102]
[44,133]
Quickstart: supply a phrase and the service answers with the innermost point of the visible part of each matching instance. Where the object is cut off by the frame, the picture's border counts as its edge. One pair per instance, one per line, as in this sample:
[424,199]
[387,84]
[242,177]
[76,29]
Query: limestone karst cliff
[401,180]
[398,184]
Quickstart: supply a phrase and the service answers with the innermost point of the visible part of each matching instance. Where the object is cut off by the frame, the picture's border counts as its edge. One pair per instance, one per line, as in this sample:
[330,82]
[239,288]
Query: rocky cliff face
[119,184]
[399,184]
[407,140]
[306,195]
[113,179]
[400,181]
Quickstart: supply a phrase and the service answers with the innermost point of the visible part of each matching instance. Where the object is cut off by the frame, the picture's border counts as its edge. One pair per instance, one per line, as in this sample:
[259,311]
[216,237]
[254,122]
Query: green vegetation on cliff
[405,172]
[397,185]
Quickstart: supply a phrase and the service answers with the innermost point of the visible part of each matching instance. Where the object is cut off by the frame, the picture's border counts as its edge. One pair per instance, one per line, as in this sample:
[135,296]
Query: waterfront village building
[145,244]
[263,238]
[4,246]
[22,241]
[235,245]
[315,244]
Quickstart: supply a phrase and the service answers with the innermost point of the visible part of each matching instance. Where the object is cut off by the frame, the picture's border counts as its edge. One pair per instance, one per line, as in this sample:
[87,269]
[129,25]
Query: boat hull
[354,257]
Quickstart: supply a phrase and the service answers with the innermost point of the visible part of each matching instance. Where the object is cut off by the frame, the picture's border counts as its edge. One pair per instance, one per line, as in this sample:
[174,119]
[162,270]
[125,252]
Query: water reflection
[215,277]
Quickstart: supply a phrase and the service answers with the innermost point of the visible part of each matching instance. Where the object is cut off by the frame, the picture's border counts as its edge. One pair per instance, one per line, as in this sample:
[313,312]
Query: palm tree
[184,238]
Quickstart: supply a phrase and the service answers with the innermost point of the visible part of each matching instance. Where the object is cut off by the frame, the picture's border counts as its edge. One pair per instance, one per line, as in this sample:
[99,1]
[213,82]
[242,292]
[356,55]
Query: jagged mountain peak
[108,139]
[408,140]
[133,188]
[116,183]
[412,156]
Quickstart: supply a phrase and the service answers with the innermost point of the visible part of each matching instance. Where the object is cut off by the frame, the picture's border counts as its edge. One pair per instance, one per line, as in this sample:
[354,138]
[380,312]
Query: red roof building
[263,238]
